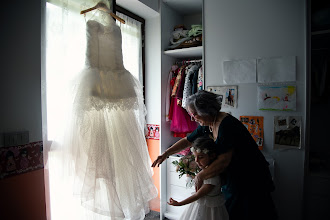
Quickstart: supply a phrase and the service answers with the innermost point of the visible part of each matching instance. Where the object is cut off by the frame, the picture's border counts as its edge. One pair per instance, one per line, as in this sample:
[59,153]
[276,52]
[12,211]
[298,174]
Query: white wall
[153,74]
[20,78]
[189,20]
[262,28]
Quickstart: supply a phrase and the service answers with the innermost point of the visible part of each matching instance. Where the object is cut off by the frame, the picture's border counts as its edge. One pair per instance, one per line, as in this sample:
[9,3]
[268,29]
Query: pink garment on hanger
[181,121]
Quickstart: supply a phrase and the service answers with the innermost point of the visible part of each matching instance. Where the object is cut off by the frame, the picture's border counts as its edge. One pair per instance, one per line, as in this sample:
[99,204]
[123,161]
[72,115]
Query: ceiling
[185,6]
[138,8]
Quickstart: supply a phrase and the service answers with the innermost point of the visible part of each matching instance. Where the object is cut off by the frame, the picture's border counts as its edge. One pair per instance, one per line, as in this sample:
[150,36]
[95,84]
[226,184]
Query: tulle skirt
[101,157]
[198,211]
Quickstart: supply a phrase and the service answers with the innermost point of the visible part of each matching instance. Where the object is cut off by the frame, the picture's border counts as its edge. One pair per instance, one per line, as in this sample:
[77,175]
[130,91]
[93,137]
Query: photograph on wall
[228,94]
[153,131]
[287,132]
[277,98]
[255,125]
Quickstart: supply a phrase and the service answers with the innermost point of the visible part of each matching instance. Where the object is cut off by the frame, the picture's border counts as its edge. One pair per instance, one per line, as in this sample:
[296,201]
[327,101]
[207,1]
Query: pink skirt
[181,121]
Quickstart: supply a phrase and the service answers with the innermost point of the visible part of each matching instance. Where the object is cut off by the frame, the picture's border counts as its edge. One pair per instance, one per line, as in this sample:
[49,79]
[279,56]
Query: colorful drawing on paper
[20,159]
[277,98]
[153,132]
[228,95]
[255,125]
[287,132]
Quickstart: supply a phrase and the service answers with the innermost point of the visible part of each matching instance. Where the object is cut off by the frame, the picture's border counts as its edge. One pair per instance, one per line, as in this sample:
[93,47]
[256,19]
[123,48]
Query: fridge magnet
[20,159]
[287,132]
[255,125]
[153,132]
[228,94]
[277,98]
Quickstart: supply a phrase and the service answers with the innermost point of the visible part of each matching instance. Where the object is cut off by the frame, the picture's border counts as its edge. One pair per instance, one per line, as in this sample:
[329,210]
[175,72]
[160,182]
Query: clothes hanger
[103,7]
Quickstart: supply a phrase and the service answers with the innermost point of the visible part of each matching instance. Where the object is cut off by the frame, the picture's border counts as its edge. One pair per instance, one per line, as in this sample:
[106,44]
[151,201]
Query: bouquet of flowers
[187,165]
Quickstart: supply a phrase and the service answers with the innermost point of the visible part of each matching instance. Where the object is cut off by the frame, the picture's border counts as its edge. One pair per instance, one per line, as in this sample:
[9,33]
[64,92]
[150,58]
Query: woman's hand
[199,180]
[173,202]
[160,159]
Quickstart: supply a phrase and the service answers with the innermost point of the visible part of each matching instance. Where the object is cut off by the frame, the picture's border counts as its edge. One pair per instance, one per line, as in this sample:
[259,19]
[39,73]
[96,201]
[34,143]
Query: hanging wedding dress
[103,151]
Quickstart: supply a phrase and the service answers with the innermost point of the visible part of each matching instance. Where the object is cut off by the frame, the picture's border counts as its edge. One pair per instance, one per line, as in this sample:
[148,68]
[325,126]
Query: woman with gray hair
[248,182]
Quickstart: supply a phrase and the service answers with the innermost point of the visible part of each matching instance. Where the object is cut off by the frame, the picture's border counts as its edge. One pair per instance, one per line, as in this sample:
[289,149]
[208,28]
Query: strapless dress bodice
[103,46]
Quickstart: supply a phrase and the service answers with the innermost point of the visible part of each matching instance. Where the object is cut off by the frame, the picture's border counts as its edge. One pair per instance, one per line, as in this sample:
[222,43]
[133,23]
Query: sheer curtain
[65,57]
[65,50]
[132,45]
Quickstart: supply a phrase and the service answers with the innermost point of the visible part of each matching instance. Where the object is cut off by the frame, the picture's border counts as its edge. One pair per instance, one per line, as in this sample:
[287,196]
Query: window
[132,42]
[65,55]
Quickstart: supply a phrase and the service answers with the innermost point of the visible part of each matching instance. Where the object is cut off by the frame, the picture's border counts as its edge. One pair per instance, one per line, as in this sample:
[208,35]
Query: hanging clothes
[169,86]
[200,79]
[194,82]
[188,84]
[181,122]
[179,92]
[177,82]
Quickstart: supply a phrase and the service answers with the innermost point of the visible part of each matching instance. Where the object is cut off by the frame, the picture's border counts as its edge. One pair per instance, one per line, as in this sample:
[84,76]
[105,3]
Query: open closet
[317,190]
[182,36]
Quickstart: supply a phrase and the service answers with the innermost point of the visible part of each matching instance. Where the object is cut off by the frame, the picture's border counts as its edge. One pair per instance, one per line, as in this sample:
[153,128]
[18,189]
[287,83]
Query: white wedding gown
[103,153]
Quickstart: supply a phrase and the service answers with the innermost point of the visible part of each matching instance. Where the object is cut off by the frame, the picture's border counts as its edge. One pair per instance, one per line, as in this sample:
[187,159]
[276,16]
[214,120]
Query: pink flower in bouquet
[185,161]
[193,165]
[186,165]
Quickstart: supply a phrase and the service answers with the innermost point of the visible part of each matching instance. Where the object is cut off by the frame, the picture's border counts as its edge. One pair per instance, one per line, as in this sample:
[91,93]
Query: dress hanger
[103,7]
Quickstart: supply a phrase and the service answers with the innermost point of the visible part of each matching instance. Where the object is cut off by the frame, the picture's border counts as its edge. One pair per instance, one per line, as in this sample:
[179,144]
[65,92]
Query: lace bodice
[103,46]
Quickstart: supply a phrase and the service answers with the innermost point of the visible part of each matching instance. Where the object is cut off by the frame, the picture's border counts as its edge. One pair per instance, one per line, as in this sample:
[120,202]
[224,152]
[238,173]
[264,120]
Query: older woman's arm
[177,147]
[216,167]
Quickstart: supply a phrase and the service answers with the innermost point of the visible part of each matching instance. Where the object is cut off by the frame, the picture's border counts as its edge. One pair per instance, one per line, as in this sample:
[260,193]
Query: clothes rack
[188,61]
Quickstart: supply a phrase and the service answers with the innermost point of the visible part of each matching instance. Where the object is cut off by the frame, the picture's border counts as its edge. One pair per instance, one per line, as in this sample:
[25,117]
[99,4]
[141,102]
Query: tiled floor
[152,215]
[154,210]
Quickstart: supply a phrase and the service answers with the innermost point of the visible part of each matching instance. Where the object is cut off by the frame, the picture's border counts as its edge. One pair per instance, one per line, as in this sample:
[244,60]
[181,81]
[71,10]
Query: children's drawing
[255,125]
[228,95]
[287,132]
[239,71]
[276,69]
[277,98]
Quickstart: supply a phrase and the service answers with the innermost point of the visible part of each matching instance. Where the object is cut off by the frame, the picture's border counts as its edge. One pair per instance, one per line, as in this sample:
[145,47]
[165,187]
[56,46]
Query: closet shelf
[191,52]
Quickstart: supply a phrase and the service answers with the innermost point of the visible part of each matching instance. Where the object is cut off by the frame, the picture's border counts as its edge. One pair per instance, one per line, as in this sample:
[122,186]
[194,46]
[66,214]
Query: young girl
[207,202]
